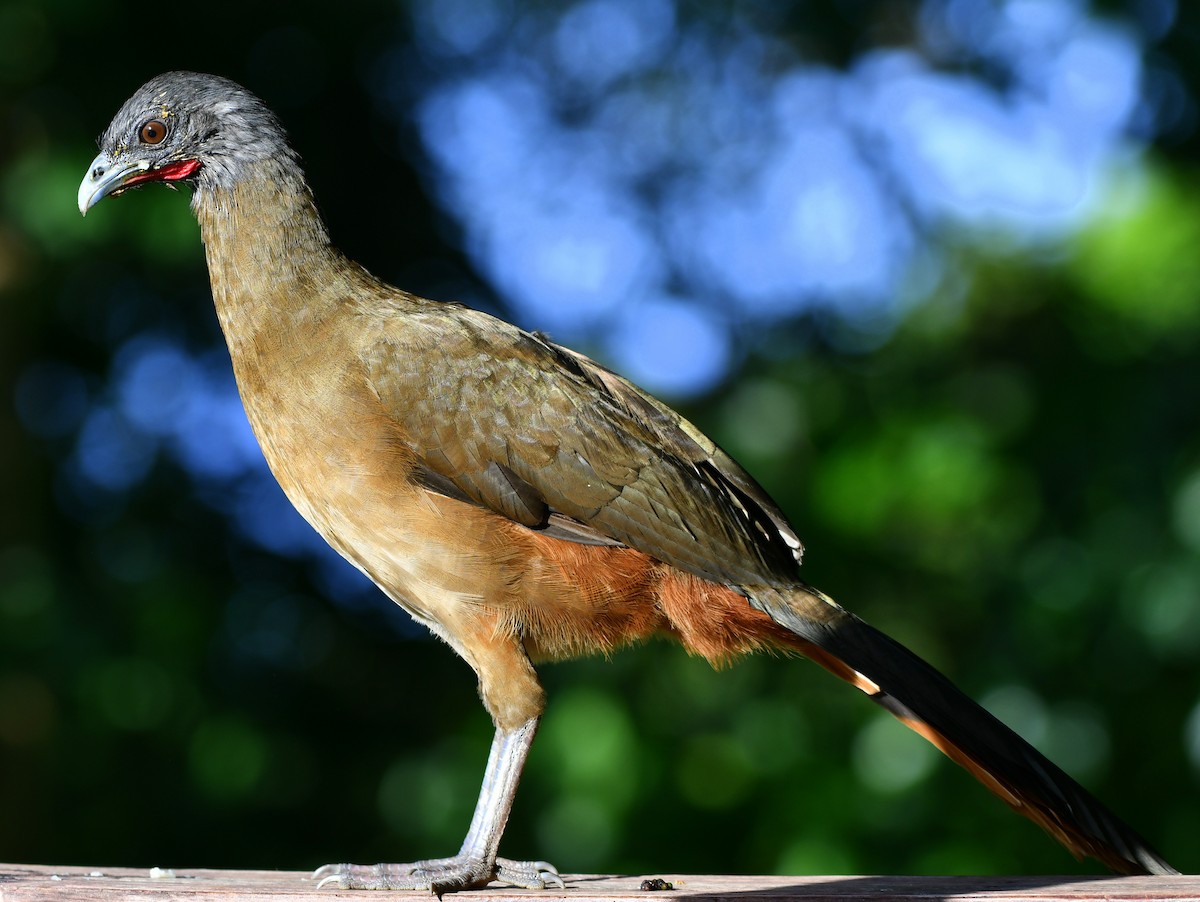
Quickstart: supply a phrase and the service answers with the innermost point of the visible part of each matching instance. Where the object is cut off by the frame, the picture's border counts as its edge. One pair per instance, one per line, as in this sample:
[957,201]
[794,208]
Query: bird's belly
[341,467]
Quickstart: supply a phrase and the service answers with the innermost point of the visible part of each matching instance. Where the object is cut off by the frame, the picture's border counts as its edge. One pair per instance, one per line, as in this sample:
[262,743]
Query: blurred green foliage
[1010,485]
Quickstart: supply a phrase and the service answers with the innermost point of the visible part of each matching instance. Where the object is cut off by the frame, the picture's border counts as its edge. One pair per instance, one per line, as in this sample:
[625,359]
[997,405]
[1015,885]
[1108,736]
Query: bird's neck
[269,255]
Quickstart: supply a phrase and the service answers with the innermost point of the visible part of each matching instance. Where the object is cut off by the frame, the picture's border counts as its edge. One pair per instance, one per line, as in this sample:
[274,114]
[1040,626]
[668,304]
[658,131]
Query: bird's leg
[476,863]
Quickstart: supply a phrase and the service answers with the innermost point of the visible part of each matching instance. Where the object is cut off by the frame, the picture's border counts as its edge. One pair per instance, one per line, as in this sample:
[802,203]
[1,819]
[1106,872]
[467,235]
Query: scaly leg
[476,864]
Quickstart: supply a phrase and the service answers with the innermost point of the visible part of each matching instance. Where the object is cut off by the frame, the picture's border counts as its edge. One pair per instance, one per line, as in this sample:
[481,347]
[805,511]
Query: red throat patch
[171,172]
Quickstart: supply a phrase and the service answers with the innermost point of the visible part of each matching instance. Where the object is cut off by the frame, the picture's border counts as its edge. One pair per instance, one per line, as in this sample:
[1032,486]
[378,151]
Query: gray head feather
[208,118]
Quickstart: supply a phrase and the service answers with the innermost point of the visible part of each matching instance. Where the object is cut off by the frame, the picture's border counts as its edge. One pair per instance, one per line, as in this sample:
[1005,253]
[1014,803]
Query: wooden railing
[26,883]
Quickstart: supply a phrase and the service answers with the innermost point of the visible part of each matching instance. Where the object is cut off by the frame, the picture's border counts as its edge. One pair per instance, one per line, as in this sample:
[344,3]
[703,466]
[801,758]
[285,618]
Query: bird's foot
[440,875]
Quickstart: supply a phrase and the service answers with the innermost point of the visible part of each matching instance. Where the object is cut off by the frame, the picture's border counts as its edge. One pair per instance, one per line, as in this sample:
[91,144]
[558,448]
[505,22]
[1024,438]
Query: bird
[522,501]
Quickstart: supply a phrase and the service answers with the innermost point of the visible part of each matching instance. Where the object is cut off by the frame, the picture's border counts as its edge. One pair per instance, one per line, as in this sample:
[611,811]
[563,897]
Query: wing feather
[542,435]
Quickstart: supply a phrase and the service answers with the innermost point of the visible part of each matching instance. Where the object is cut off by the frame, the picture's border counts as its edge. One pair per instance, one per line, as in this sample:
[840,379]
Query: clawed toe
[528,874]
[442,875]
[331,874]
[394,877]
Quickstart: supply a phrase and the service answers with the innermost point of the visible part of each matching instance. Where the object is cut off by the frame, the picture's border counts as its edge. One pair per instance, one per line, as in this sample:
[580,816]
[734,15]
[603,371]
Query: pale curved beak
[104,177]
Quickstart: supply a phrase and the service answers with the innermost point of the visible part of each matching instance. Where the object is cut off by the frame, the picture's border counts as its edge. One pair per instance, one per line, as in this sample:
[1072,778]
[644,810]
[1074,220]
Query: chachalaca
[522,501]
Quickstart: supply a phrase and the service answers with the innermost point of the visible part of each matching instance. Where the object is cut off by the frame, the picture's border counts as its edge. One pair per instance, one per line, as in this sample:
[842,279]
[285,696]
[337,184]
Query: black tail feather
[926,701]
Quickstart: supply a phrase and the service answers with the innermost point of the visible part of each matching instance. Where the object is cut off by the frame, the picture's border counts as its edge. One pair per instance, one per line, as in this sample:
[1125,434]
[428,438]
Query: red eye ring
[153,132]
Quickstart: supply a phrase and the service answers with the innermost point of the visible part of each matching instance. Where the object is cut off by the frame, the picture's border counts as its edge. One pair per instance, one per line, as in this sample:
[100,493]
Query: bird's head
[183,126]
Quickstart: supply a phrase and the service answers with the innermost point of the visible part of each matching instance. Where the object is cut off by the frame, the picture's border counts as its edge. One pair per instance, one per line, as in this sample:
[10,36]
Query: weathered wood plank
[31,883]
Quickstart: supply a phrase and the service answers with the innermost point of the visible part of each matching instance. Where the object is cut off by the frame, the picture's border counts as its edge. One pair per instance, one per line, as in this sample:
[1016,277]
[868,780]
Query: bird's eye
[153,132]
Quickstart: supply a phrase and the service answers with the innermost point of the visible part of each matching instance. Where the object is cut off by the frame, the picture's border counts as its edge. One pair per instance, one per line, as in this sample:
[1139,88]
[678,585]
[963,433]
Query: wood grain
[35,883]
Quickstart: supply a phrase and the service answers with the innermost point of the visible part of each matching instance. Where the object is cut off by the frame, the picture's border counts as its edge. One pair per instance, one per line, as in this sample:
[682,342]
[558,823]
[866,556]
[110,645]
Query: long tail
[927,702]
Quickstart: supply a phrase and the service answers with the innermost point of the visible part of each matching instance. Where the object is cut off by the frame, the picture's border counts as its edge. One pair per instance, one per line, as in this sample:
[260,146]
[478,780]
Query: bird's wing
[552,440]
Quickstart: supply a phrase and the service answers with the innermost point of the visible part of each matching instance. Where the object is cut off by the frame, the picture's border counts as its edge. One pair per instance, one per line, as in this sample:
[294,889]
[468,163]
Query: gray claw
[331,874]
